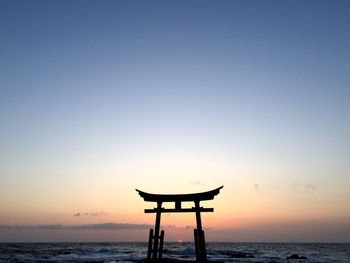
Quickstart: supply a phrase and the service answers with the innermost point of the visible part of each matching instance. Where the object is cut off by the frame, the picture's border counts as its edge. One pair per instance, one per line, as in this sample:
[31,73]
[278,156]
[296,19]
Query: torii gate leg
[156,234]
[199,240]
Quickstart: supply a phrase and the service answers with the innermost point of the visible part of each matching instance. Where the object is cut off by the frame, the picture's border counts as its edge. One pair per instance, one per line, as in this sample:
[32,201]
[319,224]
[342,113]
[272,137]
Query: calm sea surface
[134,252]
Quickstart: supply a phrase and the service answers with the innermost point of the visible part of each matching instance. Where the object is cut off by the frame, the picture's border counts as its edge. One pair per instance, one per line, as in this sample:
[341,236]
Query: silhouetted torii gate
[155,249]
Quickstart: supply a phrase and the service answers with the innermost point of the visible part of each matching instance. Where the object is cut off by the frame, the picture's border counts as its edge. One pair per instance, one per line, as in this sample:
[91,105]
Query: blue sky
[92,89]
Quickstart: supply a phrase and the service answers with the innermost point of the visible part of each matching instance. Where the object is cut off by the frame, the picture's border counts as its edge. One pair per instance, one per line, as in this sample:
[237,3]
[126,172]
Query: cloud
[196,182]
[32,227]
[101,213]
[299,185]
[310,186]
[108,226]
[184,227]
[102,226]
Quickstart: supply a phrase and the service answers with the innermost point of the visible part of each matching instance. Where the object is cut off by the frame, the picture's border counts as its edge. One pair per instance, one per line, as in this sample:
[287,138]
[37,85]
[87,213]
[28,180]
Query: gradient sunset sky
[98,98]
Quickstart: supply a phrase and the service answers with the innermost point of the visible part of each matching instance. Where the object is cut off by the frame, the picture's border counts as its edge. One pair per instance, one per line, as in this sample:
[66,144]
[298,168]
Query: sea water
[134,252]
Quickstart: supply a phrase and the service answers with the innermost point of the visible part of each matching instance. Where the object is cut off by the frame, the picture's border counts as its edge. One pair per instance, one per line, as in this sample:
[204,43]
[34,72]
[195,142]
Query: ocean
[135,252]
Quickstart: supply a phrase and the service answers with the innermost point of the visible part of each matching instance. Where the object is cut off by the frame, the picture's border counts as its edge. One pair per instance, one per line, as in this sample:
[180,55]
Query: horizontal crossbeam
[181,210]
[203,196]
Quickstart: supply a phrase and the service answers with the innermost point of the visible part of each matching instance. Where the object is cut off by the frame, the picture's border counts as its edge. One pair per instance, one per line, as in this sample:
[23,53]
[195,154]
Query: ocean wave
[136,252]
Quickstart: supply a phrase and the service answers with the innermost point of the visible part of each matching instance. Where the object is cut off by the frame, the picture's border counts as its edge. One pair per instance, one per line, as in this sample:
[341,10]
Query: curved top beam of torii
[209,195]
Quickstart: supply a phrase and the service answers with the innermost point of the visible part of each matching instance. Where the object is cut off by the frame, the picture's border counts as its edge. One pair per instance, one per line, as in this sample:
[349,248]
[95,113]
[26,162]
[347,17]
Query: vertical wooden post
[195,233]
[204,250]
[201,251]
[156,232]
[161,244]
[198,216]
[150,243]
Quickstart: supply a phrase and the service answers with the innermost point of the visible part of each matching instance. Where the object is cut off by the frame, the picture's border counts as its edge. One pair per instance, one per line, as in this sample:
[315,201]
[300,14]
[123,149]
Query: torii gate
[155,249]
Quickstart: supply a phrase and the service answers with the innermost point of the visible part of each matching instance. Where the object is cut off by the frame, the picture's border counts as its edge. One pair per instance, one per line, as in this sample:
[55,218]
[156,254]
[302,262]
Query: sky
[98,98]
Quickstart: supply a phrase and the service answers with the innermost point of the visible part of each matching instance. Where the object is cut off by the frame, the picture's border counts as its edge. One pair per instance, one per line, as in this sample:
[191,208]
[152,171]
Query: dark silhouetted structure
[155,242]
